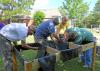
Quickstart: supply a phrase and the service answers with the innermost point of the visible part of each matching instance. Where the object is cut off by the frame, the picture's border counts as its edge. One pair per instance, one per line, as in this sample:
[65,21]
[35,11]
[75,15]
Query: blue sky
[49,4]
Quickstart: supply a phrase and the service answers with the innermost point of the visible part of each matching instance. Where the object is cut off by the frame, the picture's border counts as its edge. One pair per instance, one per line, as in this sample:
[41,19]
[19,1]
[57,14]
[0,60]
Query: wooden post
[52,50]
[27,66]
[57,56]
[14,61]
[71,45]
[35,65]
[94,58]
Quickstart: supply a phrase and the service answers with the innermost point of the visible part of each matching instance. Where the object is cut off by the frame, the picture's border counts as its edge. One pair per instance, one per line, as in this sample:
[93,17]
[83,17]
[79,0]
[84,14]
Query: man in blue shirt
[81,36]
[45,29]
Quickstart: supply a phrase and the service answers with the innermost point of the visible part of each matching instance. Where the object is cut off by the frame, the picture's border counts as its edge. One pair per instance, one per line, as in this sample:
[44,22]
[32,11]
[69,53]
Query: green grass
[29,55]
[73,65]
[1,65]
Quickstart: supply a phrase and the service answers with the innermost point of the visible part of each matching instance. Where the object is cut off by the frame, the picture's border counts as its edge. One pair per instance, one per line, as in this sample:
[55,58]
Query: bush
[38,17]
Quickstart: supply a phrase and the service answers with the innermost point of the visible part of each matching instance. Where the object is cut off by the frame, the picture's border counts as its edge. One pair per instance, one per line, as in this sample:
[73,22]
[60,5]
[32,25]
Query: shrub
[38,17]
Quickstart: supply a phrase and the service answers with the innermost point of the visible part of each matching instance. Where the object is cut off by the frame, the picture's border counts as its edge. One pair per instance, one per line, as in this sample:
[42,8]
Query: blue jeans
[86,57]
[42,48]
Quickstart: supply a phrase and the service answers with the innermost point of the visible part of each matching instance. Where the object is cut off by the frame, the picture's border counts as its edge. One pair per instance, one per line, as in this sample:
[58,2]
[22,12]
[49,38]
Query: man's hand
[29,47]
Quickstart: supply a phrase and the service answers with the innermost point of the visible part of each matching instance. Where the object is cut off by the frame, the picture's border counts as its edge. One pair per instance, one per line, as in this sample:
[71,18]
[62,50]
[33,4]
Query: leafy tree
[89,20]
[94,17]
[97,12]
[97,6]
[14,7]
[62,11]
[74,9]
[97,18]
[38,17]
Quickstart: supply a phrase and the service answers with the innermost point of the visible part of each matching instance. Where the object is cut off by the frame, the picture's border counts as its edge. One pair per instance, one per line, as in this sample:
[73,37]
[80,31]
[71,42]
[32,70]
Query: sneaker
[97,54]
[86,66]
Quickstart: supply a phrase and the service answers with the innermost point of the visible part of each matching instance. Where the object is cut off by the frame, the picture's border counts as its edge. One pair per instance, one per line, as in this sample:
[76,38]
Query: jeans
[42,48]
[86,57]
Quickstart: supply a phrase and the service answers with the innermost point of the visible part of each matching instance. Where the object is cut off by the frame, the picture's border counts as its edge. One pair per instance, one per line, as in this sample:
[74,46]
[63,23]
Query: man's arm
[24,45]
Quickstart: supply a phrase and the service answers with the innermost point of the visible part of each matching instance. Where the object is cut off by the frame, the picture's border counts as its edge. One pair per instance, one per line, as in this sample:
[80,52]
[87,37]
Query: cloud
[40,4]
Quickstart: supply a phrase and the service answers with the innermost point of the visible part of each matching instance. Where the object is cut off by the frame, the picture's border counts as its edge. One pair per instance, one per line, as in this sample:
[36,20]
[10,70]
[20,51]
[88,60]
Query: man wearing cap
[9,33]
[44,30]
[28,22]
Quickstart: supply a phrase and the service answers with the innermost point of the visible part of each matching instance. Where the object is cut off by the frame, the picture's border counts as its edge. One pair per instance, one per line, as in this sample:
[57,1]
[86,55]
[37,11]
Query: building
[49,13]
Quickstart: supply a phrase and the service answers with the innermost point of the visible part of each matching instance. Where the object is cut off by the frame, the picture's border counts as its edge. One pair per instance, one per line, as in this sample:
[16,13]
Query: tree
[97,12]
[74,9]
[14,7]
[97,6]
[62,11]
[89,20]
[38,17]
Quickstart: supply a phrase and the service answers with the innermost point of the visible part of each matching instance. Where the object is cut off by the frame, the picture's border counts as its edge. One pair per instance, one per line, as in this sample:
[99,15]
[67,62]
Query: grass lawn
[73,65]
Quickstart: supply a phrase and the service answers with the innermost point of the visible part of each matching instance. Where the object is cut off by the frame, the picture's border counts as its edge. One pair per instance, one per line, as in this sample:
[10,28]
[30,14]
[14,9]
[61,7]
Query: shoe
[97,54]
[86,66]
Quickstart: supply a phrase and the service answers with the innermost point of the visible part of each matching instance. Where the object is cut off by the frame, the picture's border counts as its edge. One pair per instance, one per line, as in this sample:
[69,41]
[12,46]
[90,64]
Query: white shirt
[14,31]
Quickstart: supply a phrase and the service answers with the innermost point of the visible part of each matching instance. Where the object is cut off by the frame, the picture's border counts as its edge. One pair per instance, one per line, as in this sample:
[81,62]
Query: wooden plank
[14,62]
[52,50]
[87,46]
[72,45]
[35,65]
[27,66]
[94,58]
[57,56]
